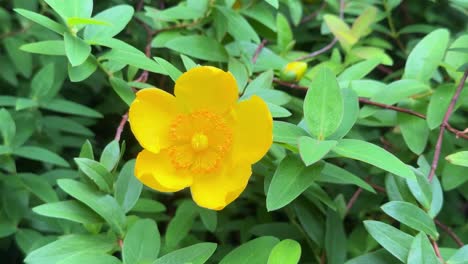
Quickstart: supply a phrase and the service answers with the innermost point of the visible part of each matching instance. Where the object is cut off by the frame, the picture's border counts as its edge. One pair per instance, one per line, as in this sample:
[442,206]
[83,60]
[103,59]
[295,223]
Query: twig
[121,126]
[318,52]
[314,14]
[438,147]
[323,259]
[449,231]
[259,50]
[436,249]
[342,8]
[353,199]
[458,133]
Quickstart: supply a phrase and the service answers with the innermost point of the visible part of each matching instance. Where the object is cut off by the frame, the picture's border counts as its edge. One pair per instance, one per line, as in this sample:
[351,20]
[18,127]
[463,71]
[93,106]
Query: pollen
[199,142]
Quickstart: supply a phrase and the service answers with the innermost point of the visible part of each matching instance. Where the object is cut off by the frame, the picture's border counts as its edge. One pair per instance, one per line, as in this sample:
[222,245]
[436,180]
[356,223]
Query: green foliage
[354,141]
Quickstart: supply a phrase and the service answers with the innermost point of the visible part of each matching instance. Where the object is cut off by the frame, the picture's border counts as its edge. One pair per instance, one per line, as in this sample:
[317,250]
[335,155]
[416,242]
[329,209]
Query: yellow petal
[253,130]
[206,88]
[157,172]
[216,191]
[150,117]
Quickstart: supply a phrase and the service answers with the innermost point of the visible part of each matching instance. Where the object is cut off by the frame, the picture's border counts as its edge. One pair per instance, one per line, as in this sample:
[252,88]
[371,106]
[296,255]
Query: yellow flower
[293,71]
[200,138]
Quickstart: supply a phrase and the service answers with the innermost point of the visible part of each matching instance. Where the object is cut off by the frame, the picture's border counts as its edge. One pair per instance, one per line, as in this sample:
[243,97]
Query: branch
[450,232]
[121,126]
[353,199]
[314,14]
[259,50]
[438,147]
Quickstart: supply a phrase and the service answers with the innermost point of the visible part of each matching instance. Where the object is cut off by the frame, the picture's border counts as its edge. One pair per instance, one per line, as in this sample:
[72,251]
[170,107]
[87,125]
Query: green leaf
[359,70]
[412,216]
[171,70]
[209,219]
[335,238]
[199,47]
[21,60]
[47,47]
[374,155]
[110,155]
[456,59]
[313,224]
[195,254]
[460,257]
[284,132]
[421,188]
[295,10]
[392,239]
[421,251]
[237,25]
[426,56]
[458,158]
[362,25]
[290,180]
[70,210]
[350,116]
[148,206]
[313,150]
[134,58]
[415,132]
[7,227]
[72,8]
[76,49]
[96,172]
[273,3]
[43,82]
[104,205]
[42,20]
[66,124]
[181,223]
[278,111]
[341,31]
[68,246]
[380,256]
[438,104]
[323,104]
[255,251]
[38,186]
[188,62]
[285,36]
[69,107]
[141,243]
[40,154]
[7,127]
[334,174]
[287,251]
[83,71]
[127,187]
[75,21]
[117,16]
[122,89]
[90,257]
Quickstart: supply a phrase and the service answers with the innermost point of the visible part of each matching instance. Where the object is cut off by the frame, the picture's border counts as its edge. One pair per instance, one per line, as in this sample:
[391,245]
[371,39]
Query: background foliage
[370,158]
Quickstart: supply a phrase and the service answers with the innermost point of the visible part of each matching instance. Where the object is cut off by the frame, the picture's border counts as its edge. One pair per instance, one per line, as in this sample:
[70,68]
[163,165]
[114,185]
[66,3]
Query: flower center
[200,141]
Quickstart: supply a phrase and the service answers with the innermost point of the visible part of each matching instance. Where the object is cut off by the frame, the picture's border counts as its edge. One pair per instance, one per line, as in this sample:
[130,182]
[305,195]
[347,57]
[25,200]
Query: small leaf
[43,82]
[88,257]
[70,210]
[284,132]
[287,251]
[117,17]
[421,251]
[323,104]
[335,238]
[393,240]
[313,150]
[20,59]
[72,8]
[47,47]
[255,251]
[195,254]
[40,154]
[181,223]
[374,155]
[171,70]
[76,49]
[122,89]
[459,158]
[209,219]
[39,187]
[438,104]
[341,31]
[41,20]
[96,172]
[69,107]
[83,71]
[334,174]
[460,257]
[110,155]
[412,216]
[362,25]
[200,47]
[7,126]
[127,187]
[141,243]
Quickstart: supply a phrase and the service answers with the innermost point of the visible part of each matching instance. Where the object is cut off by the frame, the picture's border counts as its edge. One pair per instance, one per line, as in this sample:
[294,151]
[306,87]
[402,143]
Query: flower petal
[206,88]
[157,172]
[253,130]
[216,191]
[150,116]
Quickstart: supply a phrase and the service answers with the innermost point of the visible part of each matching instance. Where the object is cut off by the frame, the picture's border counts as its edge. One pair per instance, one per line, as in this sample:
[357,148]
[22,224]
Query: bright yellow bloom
[293,71]
[200,138]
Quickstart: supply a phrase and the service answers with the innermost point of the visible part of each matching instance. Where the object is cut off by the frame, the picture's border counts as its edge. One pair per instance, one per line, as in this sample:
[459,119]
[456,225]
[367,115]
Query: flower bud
[293,71]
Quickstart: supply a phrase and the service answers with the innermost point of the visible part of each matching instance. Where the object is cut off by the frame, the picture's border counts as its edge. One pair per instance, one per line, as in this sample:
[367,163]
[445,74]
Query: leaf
[335,238]
[104,205]
[72,8]
[313,150]
[253,252]
[96,172]
[273,3]
[362,25]
[460,257]
[438,104]
[141,243]
[47,47]
[380,256]
[171,70]
[415,132]
[284,33]
[323,104]
[458,158]
[42,20]
[350,116]
[421,188]
[70,210]
[40,154]
[278,111]
[209,219]
[237,25]
[374,155]
[43,82]
[188,63]
[117,17]
[421,251]
[7,127]
[134,58]
[110,155]
[38,186]
[195,254]
[148,206]
[87,257]
[392,239]
[181,223]
[359,70]
[456,59]
[83,71]
[284,132]
[127,187]
[290,180]
[411,216]
[20,59]
[426,56]
[287,251]
[199,47]
[76,49]
[66,124]
[341,31]
[334,174]
[68,246]
[69,107]
[122,89]
[313,225]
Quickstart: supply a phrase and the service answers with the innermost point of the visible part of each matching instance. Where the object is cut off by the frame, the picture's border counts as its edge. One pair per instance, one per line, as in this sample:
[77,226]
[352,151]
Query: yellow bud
[293,71]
